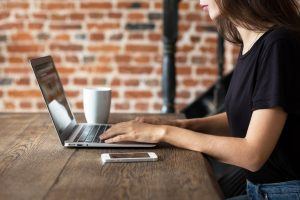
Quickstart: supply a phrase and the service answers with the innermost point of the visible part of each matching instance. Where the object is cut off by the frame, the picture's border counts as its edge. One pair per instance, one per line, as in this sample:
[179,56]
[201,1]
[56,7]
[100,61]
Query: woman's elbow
[255,163]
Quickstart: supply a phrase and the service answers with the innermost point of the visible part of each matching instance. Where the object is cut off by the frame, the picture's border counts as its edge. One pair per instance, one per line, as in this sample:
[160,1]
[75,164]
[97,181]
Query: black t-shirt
[268,75]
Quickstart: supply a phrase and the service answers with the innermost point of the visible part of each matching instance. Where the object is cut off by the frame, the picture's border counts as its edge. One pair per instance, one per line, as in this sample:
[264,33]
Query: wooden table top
[34,165]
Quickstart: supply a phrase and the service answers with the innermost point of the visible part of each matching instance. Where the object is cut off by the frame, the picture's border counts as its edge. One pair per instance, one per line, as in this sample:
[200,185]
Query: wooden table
[34,165]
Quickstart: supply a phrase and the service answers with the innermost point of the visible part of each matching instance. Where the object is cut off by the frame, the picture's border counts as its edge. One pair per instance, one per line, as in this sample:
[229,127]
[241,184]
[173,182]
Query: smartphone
[128,157]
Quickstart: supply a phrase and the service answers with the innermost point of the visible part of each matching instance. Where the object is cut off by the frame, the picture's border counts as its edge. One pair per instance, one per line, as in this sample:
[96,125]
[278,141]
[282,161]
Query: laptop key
[85,133]
[92,134]
[102,129]
[79,134]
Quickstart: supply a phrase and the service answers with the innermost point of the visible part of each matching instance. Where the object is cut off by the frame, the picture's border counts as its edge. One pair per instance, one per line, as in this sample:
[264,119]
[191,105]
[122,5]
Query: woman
[259,130]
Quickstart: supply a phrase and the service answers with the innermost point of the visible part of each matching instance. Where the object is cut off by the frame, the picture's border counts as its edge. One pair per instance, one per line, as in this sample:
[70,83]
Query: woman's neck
[249,38]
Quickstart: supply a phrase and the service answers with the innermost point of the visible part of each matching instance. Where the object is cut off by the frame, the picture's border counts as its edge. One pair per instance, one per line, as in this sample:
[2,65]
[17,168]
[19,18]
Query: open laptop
[70,133]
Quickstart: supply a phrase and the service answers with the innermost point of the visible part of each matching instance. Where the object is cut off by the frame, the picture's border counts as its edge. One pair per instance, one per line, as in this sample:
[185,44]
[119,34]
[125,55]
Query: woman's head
[255,15]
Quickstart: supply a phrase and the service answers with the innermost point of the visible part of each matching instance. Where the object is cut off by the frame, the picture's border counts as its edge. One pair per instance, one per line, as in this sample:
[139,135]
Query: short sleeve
[278,78]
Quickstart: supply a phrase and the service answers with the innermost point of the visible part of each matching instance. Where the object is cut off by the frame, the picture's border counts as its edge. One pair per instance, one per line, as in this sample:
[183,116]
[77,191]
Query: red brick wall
[114,43]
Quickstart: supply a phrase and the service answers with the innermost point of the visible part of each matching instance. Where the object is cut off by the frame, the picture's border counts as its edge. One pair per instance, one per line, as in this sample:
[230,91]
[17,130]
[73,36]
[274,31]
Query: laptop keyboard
[90,133]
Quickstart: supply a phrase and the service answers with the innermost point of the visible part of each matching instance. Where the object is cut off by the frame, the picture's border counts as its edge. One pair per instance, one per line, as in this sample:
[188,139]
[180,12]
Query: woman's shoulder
[283,35]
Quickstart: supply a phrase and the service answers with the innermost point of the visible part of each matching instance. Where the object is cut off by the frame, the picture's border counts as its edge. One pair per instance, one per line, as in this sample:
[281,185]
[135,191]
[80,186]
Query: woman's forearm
[235,151]
[216,124]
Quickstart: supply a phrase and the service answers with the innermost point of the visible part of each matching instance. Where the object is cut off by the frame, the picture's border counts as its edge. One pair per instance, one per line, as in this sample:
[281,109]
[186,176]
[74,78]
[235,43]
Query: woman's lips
[204,7]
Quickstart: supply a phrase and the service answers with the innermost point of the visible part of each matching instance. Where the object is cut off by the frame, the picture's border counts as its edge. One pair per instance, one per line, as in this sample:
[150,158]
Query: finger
[112,132]
[118,138]
[139,119]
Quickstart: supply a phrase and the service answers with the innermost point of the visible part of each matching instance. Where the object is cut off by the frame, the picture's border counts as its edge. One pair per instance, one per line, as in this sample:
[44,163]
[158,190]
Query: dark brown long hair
[256,15]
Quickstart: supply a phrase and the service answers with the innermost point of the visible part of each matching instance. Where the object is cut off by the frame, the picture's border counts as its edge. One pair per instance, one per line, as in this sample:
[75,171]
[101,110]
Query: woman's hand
[133,131]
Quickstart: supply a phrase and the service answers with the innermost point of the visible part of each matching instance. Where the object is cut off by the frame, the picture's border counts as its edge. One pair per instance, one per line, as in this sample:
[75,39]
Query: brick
[35,26]
[62,37]
[155,37]
[136,16]
[3,38]
[142,106]
[115,82]
[157,106]
[135,70]
[183,70]
[104,59]
[134,5]
[210,71]
[103,48]
[137,94]
[96,15]
[142,59]
[153,82]
[43,36]
[208,83]
[9,105]
[4,15]
[131,82]
[1,93]
[99,69]
[25,48]
[77,16]
[155,16]
[185,48]
[193,17]
[39,16]
[114,94]
[65,26]
[183,94]
[17,5]
[136,36]
[57,5]
[96,5]
[24,93]
[97,37]
[66,47]
[103,26]
[99,81]
[122,106]
[184,6]
[10,26]
[115,15]
[80,81]
[141,48]
[15,59]
[72,59]
[17,70]
[59,17]
[190,82]
[117,36]
[79,105]
[72,93]
[25,105]
[140,26]
[122,58]
[23,81]
[199,59]
[41,105]
[65,70]
[21,36]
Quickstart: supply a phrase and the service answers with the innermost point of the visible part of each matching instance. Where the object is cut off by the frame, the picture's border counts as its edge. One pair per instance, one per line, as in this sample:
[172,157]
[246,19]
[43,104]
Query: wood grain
[34,165]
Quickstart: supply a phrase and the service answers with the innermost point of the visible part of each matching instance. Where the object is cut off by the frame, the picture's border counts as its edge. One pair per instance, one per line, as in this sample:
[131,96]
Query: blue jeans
[289,190]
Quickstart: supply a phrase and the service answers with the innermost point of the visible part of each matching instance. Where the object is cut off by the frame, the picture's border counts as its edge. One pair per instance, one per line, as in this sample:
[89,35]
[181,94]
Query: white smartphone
[128,157]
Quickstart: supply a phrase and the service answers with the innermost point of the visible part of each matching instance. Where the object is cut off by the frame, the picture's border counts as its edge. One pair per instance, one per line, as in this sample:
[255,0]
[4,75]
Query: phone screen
[129,155]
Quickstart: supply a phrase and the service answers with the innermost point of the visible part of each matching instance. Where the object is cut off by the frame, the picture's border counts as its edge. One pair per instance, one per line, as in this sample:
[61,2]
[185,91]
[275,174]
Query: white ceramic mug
[96,105]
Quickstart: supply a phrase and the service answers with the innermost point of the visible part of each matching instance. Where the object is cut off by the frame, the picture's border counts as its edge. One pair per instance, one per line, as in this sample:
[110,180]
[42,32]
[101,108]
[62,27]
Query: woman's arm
[215,124]
[250,152]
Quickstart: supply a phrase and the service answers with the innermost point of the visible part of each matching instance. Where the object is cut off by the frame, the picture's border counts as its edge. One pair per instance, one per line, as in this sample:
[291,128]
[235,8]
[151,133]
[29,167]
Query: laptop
[70,133]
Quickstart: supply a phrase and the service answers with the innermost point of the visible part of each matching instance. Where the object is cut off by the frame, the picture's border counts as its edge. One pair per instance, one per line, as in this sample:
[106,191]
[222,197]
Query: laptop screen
[53,93]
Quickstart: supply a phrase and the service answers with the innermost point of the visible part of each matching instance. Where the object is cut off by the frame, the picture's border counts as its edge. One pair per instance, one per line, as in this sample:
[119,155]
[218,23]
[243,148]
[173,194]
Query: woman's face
[212,8]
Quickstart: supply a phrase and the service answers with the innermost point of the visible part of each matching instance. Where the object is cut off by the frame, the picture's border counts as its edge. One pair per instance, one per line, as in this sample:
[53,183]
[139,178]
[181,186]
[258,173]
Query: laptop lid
[54,96]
